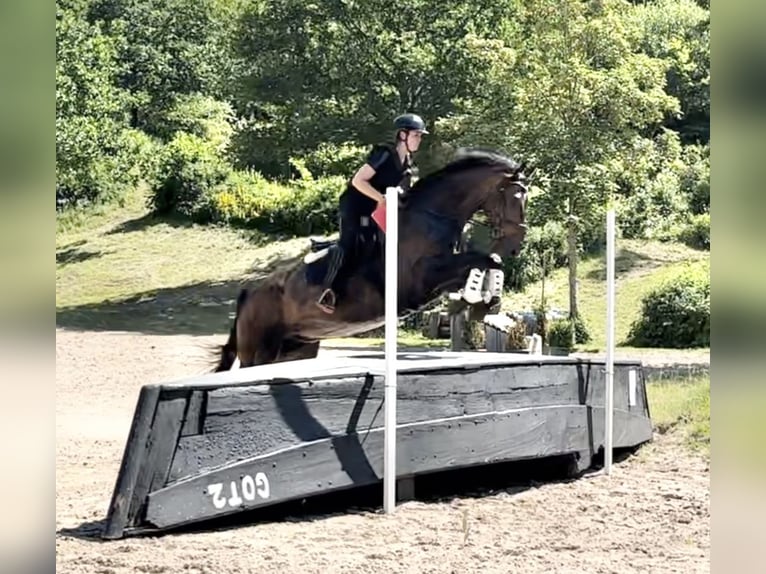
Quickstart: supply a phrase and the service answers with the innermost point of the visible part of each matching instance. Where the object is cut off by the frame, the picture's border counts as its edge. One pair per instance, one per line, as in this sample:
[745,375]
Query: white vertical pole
[392,322]
[609,390]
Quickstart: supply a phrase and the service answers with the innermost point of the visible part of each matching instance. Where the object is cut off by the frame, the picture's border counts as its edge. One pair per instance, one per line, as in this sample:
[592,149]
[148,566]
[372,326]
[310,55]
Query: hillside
[125,270]
[640,267]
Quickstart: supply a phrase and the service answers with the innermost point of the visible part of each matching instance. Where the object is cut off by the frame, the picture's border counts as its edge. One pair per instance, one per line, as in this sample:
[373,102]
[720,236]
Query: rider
[387,165]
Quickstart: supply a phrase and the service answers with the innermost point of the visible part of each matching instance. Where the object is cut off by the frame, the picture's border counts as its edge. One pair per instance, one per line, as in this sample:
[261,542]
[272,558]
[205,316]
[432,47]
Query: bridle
[505,185]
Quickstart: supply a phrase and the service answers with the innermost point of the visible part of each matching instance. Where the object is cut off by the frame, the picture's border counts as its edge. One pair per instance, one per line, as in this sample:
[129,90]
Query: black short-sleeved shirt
[389,172]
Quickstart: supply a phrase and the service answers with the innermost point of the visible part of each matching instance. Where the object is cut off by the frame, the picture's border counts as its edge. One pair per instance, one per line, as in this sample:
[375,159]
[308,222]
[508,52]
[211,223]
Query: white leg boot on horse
[472,292]
[494,281]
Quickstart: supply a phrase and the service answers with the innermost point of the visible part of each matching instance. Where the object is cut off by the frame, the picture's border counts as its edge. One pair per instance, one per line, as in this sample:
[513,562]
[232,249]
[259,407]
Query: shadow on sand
[203,308]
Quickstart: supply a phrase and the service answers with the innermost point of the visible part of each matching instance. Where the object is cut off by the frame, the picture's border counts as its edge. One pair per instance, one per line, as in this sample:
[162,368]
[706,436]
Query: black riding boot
[327,299]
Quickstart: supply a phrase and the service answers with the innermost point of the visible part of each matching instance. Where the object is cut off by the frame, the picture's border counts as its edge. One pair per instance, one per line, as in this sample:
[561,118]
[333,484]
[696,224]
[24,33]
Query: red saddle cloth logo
[379,216]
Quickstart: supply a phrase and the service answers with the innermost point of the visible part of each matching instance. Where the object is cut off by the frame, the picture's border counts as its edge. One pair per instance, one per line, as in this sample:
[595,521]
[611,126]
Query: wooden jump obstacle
[222,443]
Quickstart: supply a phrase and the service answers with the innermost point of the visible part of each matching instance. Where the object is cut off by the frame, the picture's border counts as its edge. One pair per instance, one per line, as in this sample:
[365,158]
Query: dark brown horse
[279,320]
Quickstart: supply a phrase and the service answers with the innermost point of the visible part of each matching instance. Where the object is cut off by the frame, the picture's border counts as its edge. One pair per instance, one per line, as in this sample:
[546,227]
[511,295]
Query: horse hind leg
[295,350]
[261,350]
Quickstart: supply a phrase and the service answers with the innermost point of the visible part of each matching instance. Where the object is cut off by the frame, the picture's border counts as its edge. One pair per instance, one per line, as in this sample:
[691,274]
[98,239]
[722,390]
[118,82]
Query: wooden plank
[161,445]
[284,439]
[324,465]
[631,429]
[194,417]
[243,422]
[132,462]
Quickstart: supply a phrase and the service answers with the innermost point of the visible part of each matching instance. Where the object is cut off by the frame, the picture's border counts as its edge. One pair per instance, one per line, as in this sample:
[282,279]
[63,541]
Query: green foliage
[335,159]
[697,232]
[660,183]
[198,115]
[94,153]
[189,169]
[544,249]
[579,89]
[695,177]
[300,207]
[516,336]
[167,48]
[559,334]
[582,334]
[349,68]
[676,314]
[679,32]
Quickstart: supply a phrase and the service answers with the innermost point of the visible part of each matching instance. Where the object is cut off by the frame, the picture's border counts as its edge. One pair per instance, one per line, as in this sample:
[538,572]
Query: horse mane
[464,159]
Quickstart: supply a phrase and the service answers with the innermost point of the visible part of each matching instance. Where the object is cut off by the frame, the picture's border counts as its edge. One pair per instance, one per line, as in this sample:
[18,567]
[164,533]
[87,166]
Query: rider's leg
[349,229]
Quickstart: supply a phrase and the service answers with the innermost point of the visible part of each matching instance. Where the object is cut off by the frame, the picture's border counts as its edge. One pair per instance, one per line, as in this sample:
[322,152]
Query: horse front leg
[476,276]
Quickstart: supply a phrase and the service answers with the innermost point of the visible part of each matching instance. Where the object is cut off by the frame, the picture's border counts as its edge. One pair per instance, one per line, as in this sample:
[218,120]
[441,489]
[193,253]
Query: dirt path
[652,515]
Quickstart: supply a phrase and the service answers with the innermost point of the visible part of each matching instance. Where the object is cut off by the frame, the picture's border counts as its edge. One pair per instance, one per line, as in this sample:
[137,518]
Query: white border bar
[392,323]
[609,390]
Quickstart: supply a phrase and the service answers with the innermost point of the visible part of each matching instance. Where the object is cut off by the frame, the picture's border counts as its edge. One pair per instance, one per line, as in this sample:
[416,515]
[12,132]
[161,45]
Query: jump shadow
[75,255]
[202,308]
[150,220]
[255,236]
[199,309]
[90,531]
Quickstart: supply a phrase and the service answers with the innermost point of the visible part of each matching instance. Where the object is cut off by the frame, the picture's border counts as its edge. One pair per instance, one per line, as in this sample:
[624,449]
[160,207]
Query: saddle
[321,244]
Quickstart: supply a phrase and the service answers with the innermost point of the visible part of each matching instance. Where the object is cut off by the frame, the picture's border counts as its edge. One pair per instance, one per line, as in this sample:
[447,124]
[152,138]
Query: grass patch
[405,338]
[122,268]
[640,266]
[682,407]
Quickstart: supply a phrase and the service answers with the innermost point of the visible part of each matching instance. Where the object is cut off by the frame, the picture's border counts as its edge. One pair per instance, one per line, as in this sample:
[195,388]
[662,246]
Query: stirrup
[329,305]
[473,284]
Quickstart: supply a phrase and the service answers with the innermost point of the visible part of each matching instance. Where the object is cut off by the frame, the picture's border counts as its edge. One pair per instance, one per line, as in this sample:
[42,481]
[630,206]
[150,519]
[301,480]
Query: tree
[90,112]
[167,49]
[341,70]
[679,32]
[578,96]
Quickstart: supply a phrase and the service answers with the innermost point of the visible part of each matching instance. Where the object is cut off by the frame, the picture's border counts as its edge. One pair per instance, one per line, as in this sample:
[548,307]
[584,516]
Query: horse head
[478,180]
[505,208]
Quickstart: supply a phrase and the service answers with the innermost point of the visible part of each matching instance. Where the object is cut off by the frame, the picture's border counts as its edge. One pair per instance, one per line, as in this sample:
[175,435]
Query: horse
[279,320]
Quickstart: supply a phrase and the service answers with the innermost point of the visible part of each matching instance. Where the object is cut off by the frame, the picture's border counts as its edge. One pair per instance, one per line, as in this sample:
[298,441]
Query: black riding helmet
[410,122]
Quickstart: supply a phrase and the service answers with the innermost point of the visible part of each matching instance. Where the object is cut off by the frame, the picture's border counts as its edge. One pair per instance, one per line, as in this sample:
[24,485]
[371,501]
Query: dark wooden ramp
[211,446]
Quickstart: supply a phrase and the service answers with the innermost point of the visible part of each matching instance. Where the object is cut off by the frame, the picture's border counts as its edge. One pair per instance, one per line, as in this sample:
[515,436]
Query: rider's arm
[361,181]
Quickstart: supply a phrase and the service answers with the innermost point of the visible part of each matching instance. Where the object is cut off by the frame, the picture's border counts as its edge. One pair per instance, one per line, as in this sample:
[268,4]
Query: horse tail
[228,351]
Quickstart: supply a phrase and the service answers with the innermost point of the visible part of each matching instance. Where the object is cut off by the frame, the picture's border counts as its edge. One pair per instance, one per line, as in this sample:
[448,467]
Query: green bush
[516,336]
[582,334]
[189,169]
[544,246]
[676,314]
[696,234]
[98,161]
[299,207]
[560,333]
[695,178]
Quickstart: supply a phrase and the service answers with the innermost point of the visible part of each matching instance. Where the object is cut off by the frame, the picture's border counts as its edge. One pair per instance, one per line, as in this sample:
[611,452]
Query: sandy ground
[652,515]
